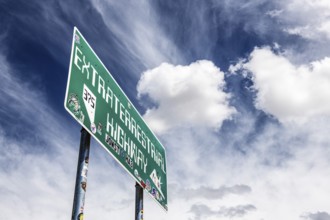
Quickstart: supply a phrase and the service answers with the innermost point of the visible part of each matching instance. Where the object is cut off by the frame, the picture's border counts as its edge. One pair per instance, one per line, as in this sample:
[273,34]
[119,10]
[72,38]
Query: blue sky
[238,93]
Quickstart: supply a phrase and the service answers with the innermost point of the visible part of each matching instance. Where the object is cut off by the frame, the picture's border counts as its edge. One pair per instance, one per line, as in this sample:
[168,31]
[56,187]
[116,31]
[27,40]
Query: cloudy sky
[238,92]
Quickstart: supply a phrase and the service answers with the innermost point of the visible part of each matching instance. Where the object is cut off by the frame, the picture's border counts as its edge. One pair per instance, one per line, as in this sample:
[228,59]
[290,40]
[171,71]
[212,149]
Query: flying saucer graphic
[157,181]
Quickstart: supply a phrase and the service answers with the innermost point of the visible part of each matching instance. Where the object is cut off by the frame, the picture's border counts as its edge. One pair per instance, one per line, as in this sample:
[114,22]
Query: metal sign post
[81,177]
[138,202]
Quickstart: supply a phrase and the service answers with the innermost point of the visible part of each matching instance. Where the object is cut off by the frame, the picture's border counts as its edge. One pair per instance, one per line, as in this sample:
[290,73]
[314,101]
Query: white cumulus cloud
[289,92]
[185,96]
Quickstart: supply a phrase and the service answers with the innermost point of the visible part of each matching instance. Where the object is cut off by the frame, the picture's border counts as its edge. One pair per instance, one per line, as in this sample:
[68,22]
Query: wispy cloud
[39,158]
[297,16]
[202,211]
[32,169]
[297,19]
[138,30]
[209,192]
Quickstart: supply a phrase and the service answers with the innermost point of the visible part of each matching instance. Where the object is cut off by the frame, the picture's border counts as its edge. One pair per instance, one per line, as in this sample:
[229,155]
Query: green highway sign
[97,102]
